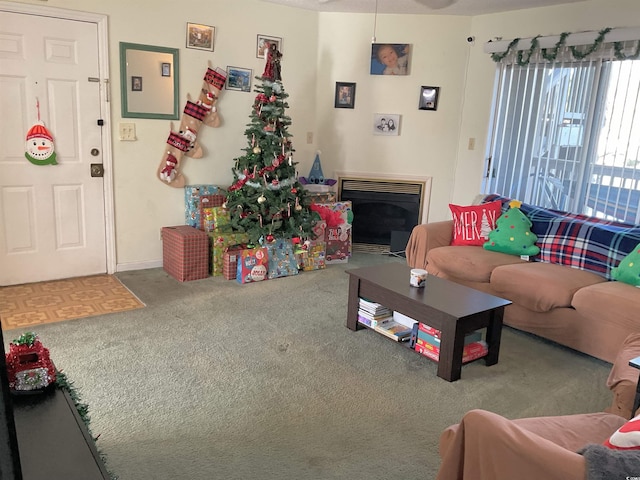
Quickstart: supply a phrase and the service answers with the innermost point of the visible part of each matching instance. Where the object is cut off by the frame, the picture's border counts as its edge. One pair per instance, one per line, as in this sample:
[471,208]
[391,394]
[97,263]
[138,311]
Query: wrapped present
[185,252]
[338,244]
[339,218]
[282,259]
[194,202]
[322,197]
[230,261]
[253,265]
[220,242]
[221,218]
[312,257]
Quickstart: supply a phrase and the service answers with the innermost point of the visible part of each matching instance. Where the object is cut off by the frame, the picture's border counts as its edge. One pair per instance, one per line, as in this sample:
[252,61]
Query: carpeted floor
[35,304]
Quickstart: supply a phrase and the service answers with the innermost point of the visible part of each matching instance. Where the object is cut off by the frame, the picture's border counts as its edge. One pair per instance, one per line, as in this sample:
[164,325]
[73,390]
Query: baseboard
[125,267]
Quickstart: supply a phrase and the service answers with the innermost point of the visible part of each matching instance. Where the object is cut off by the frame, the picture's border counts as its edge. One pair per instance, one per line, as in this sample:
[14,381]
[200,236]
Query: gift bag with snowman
[253,265]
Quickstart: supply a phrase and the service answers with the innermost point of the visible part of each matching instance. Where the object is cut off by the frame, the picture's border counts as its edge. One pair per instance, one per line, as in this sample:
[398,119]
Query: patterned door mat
[48,302]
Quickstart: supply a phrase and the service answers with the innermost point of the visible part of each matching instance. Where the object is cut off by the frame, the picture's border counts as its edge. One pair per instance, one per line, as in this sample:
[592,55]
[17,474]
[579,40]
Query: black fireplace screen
[381,208]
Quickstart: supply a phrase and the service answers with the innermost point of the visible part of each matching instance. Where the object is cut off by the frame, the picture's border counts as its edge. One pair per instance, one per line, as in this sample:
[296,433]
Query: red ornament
[273,98]
[294,190]
[295,240]
[274,181]
[270,238]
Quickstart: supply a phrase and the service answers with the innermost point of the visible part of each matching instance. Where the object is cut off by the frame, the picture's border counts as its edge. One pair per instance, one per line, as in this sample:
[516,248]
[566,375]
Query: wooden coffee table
[453,309]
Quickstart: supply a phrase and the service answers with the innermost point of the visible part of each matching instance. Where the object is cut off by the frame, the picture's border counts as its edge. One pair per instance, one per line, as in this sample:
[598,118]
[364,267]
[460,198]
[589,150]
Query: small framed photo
[136,84]
[387,124]
[428,98]
[200,36]
[239,79]
[166,69]
[390,58]
[345,95]
[263,42]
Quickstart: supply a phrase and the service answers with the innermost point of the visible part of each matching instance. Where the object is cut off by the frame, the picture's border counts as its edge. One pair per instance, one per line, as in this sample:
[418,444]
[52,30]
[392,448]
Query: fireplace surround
[386,207]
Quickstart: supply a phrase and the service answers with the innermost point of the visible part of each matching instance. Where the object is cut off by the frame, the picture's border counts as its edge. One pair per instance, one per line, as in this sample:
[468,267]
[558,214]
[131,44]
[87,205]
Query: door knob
[97,170]
[95,152]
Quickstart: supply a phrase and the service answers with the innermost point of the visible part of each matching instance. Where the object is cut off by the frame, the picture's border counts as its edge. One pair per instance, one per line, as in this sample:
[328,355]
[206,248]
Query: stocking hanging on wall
[184,142]
[39,145]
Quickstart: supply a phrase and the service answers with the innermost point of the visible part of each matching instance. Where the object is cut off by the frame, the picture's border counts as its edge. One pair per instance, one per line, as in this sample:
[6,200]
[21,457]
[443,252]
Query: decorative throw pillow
[472,224]
[628,270]
[627,437]
[513,234]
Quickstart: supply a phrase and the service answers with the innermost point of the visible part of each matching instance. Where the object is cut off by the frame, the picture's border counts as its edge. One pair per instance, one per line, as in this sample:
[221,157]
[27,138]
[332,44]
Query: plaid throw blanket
[579,241]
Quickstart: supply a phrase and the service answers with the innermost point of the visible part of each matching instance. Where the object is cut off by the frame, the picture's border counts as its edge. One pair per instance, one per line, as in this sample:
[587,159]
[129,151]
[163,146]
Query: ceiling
[459,7]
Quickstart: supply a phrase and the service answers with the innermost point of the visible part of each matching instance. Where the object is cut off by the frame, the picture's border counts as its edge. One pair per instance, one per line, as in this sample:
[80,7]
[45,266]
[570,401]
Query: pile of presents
[207,245]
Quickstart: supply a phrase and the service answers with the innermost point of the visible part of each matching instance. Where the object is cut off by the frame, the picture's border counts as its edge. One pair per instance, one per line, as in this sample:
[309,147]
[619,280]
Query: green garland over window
[523,57]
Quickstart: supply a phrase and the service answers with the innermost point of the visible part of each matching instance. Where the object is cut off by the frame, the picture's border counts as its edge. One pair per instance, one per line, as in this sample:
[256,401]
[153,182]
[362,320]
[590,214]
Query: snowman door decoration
[39,148]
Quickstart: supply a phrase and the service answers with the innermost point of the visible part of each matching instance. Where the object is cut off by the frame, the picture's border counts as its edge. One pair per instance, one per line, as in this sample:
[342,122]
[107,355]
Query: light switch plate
[127,132]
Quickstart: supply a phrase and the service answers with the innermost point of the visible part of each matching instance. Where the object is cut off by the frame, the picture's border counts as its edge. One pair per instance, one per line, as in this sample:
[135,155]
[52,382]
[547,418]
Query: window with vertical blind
[566,132]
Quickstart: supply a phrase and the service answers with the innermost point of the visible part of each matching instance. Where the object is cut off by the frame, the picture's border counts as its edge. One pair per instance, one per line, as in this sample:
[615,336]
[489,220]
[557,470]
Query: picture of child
[389,59]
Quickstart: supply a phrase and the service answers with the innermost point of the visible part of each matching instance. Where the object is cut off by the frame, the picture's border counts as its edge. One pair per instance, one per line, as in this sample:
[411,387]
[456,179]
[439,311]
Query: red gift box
[185,252]
[230,261]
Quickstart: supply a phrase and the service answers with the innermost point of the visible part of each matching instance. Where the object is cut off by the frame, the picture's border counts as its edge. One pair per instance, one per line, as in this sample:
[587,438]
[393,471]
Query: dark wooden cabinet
[53,440]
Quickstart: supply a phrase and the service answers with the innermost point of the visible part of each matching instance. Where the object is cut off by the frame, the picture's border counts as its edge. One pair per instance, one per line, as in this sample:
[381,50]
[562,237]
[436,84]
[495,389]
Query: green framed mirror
[149,81]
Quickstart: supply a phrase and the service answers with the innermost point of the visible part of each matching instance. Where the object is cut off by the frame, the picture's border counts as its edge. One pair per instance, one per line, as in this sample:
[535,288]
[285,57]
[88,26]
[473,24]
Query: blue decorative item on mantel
[316,177]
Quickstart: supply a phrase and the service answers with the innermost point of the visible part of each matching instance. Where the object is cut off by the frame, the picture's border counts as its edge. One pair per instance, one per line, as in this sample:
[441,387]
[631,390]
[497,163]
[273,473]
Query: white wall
[320,49]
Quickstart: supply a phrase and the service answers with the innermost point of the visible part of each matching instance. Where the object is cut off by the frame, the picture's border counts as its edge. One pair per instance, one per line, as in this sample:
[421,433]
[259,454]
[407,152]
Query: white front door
[52,217]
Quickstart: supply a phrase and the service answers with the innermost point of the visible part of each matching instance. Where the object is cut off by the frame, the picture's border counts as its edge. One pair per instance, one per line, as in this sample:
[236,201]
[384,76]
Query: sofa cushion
[473,264]
[539,286]
[472,224]
[627,437]
[617,301]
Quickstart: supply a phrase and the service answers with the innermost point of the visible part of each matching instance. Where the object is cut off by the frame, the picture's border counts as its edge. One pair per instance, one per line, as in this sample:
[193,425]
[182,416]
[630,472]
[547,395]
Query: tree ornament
[270,238]
[224,205]
[295,240]
[257,150]
[273,98]
[262,199]
[294,190]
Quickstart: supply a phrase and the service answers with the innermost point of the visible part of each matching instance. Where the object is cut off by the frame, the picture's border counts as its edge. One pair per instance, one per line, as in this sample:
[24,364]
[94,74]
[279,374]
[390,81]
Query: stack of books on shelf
[371,313]
[426,341]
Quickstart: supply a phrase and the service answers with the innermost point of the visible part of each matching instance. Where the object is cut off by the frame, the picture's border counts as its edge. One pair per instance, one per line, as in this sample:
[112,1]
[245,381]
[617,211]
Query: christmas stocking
[192,118]
[213,83]
[169,171]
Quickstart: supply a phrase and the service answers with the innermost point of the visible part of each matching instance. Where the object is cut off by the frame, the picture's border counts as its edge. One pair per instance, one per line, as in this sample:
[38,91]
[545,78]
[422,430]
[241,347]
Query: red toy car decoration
[29,366]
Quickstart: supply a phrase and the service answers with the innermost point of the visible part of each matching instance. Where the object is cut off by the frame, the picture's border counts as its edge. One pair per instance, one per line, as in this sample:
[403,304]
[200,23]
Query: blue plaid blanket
[578,241]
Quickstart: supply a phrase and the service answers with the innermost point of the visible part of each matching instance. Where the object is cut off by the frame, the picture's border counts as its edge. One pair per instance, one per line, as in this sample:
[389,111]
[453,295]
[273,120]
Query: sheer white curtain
[566,131]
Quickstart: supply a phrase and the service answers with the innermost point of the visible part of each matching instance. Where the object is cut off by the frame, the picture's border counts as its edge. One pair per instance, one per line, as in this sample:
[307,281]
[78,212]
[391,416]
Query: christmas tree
[513,233]
[266,200]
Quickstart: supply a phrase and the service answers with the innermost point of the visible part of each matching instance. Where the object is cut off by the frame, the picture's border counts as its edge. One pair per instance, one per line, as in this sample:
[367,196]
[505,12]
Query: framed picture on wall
[263,43]
[390,58]
[428,98]
[166,69]
[200,37]
[136,84]
[238,79]
[345,95]
[387,124]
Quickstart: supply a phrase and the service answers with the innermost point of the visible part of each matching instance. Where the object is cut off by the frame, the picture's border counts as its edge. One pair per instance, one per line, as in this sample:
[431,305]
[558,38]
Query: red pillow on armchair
[472,224]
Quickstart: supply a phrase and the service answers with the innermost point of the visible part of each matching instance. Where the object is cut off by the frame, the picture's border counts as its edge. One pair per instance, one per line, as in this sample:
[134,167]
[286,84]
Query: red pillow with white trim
[472,224]
[627,437]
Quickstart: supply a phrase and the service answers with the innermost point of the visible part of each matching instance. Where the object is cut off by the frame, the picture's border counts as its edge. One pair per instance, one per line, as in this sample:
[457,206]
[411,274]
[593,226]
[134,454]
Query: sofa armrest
[623,378]
[424,237]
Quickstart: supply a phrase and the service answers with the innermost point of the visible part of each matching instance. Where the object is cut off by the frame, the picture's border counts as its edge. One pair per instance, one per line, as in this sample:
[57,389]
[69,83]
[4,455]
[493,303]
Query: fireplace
[385,209]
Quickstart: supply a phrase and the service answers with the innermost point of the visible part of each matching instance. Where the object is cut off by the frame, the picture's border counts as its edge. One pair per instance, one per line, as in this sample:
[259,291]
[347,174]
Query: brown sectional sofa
[574,307]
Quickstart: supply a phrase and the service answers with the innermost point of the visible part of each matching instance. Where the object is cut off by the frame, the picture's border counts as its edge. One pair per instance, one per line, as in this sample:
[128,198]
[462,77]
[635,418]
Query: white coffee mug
[418,277]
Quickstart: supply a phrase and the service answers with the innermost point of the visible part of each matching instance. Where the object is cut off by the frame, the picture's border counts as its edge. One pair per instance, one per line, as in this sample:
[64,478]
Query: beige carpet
[35,304]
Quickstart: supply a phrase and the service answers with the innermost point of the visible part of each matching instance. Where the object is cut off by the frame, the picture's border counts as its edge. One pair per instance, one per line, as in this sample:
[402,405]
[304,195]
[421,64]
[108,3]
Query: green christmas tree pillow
[513,234]
[628,270]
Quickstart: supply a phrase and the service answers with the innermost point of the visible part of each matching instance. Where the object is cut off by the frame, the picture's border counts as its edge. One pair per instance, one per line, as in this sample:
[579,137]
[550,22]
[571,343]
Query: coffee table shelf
[453,309]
